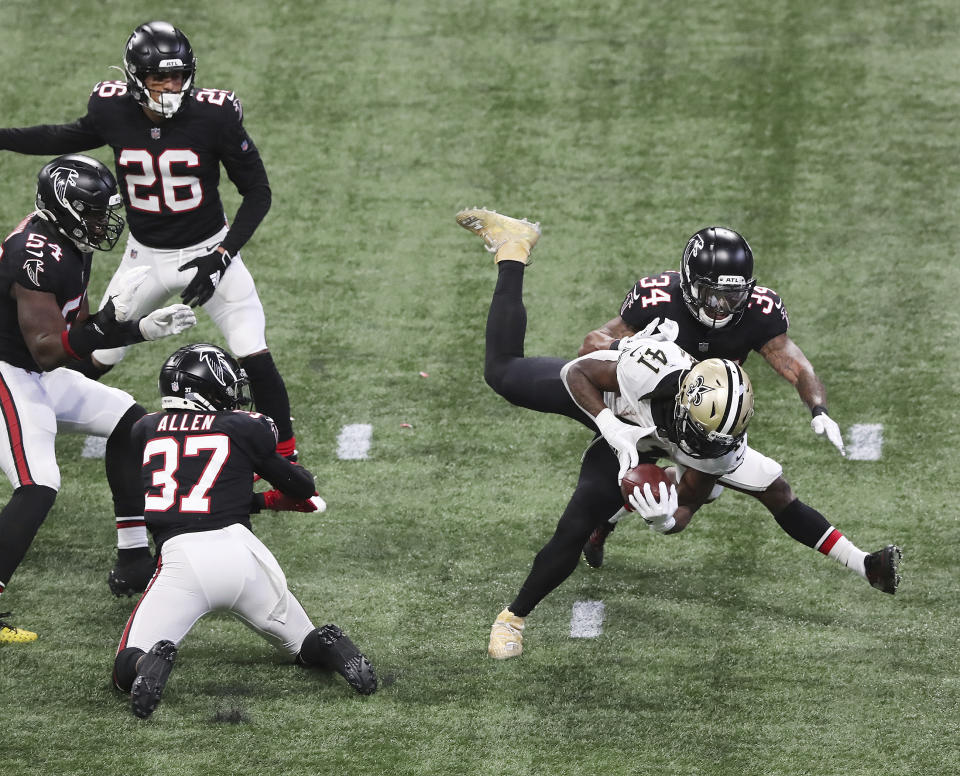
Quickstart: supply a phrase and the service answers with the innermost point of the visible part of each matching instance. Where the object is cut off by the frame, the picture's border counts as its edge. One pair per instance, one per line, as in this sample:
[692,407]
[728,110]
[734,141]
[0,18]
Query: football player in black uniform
[199,456]
[537,383]
[45,323]
[720,311]
[169,138]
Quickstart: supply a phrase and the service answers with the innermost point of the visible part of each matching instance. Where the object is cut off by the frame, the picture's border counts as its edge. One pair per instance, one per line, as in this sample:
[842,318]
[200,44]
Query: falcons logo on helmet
[219,369]
[61,178]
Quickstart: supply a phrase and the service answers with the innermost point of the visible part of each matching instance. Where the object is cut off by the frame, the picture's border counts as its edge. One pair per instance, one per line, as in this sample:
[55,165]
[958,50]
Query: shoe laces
[5,624]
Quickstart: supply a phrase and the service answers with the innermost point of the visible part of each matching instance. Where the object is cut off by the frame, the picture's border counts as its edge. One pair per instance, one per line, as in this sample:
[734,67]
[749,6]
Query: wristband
[615,345]
[818,409]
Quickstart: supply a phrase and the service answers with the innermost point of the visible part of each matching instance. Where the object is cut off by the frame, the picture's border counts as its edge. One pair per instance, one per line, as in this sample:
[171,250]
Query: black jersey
[38,257]
[659,296]
[198,468]
[168,173]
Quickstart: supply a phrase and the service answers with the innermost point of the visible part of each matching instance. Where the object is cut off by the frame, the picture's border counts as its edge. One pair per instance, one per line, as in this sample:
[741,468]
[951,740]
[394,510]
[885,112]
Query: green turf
[825,132]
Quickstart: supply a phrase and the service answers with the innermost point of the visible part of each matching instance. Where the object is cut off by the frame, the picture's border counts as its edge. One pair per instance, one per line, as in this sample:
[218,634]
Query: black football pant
[533,383]
[597,496]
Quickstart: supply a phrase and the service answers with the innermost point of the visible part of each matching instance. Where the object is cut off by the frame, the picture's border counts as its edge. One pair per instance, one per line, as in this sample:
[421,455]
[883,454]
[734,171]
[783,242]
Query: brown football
[638,475]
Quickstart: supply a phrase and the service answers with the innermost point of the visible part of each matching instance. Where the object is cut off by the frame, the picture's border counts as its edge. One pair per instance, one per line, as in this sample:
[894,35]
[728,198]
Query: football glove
[622,437]
[824,424]
[658,514]
[279,502]
[167,321]
[662,329]
[123,299]
[210,268]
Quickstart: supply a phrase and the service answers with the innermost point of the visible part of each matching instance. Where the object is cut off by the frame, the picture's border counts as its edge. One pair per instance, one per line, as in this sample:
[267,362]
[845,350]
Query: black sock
[803,523]
[123,467]
[125,668]
[20,520]
[269,391]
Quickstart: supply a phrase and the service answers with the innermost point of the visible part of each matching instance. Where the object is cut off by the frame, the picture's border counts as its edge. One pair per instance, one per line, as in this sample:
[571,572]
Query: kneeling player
[199,456]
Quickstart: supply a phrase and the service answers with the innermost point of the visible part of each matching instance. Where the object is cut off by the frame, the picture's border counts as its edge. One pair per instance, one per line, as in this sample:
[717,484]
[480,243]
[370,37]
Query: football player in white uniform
[648,400]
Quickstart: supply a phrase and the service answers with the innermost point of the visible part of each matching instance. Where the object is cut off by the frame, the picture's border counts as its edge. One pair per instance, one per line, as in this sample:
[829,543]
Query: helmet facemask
[716,304]
[168,103]
[99,228]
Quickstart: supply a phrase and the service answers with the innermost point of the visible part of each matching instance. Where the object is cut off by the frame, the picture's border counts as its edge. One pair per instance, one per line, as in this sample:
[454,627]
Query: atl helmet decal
[215,364]
[61,178]
[696,391]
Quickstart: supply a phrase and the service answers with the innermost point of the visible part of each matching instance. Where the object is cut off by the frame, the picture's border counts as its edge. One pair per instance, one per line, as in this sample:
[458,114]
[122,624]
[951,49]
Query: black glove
[210,269]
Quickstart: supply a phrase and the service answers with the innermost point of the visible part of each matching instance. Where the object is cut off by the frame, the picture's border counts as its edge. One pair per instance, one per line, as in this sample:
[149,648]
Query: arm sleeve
[51,139]
[288,478]
[244,167]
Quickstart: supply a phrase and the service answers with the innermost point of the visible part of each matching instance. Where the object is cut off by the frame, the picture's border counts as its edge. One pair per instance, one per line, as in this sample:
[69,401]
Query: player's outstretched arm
[785,356]
[600,339]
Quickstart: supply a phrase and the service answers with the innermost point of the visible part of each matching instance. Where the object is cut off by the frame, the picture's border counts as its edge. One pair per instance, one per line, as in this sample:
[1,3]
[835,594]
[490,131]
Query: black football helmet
[158,48]
[716,276]
[203,378]
[79,194]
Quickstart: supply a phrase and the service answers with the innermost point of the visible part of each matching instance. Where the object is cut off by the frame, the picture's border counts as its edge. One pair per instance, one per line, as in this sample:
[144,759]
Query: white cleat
[510,239]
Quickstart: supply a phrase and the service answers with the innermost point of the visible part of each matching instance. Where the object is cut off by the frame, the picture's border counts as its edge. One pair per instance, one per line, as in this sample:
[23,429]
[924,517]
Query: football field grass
[824,131]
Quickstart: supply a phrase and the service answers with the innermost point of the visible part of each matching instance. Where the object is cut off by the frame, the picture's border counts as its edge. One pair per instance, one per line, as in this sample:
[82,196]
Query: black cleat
[131,577]
[883,568]
[593,549]
[342,656]
[152,674]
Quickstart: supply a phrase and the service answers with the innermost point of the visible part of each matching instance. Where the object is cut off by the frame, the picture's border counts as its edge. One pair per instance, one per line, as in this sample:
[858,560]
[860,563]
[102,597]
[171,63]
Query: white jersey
[640,369]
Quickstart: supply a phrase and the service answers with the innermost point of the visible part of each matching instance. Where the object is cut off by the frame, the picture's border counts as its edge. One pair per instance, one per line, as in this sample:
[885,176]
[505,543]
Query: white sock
[835,545]
[131,533]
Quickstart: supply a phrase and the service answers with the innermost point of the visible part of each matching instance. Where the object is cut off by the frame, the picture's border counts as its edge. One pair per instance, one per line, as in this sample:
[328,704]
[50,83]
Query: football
[638,475]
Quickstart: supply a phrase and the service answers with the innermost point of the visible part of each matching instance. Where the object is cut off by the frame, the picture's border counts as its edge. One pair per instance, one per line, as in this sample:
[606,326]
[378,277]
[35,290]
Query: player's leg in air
[532,382]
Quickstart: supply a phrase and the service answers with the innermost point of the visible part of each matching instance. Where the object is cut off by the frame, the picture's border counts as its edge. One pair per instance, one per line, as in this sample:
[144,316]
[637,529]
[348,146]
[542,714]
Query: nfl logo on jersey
[155,133]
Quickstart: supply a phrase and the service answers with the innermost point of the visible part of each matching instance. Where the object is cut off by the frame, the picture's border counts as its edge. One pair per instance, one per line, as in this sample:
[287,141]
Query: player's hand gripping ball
[638,475]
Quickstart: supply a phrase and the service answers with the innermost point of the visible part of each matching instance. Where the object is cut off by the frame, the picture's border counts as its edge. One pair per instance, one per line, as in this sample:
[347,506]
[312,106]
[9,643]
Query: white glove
[167,321]
[623,438]
[123,299]
[656,514]
[824,424]
[662,329]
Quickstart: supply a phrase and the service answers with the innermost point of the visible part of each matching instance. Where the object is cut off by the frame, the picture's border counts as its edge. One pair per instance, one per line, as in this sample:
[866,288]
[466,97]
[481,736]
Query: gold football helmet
[713,408]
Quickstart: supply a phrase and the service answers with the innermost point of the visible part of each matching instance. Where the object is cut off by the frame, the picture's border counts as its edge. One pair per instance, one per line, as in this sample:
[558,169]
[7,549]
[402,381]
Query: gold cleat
[11,635]
[506,636]
[510,239]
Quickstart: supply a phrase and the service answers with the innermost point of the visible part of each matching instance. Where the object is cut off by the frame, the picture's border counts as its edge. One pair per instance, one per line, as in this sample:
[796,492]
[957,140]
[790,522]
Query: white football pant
[227,570]
[35,406]
[234,307]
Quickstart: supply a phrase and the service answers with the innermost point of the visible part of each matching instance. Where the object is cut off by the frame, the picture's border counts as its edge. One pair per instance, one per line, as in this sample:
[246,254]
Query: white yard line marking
[94,447]
[865,442]
[586,622]
[353,444]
